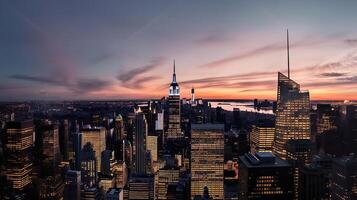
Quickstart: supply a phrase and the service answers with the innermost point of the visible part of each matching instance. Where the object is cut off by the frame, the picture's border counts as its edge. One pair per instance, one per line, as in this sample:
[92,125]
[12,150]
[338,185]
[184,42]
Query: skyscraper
[50,141]
[17,151]
[73,185]
[118,137]
[95,136]
[262,137]
[174,116]
[139,143]
[88,165]
[207,159]
[264,176]
[292,115]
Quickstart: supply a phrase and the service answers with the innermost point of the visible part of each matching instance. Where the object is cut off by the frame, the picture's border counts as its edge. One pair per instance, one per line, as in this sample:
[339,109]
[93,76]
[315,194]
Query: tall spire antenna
[287,42]
[174,67]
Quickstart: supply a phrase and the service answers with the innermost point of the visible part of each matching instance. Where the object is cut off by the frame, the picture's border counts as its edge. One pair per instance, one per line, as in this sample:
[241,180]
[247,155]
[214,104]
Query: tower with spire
[174,106]
[293,112]
[174,87]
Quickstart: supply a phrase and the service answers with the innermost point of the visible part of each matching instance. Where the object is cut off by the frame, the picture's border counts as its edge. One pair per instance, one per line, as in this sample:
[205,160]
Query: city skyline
[121,50]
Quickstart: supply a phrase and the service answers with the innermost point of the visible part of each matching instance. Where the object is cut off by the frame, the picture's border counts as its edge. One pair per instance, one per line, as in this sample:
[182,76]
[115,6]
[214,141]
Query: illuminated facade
[142,187]
[88,165]
[174,109]
[166,176]
[50,140]
[326,118]
[118,137]
[262,138]
[152,146]
[95,136]
[264,176]
[17,151]
[207,159]
[292,115]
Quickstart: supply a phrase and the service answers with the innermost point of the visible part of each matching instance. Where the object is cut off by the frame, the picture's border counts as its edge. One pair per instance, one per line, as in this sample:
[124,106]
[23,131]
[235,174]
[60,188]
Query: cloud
[136,78]
[352,42]
[132,74]
[332,74]
[211,40]
[83,85]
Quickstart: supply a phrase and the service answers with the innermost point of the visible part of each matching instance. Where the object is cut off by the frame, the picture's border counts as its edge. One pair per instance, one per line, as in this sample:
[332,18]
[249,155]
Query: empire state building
[174,118]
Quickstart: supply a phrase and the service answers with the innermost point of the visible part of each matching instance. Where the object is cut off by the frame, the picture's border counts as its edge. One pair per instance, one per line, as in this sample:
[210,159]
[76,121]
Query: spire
[287,44]
[174,75]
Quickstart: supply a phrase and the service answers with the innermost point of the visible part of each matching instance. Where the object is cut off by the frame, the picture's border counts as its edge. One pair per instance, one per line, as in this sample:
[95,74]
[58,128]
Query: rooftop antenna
[287,42]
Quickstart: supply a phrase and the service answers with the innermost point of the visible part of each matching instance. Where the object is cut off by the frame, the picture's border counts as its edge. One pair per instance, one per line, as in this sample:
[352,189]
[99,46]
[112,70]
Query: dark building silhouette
[139,144]
[344,178]
[72,185]
[265,176]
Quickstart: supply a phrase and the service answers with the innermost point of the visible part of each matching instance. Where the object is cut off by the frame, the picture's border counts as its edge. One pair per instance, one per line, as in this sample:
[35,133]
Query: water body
[242,106]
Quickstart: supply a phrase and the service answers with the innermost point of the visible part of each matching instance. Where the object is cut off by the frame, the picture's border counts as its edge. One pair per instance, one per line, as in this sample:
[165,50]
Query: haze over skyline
[124,49]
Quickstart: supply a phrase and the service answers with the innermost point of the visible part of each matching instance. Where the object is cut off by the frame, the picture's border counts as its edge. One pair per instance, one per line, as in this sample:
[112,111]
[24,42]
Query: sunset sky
[54,50]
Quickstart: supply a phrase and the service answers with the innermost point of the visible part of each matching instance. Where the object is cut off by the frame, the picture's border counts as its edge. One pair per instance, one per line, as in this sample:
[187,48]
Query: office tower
[88,165]
[167,175]
[292,115]
[262,137]
[151,144]
[312,183]
[265,176]
[96,136]
[50,142]
[77,148]
[114,194]
[72,185]
[174,115]
[92,193]
[344,178]
[326,118]
[141,187]
[108,162]
[298,154]
[118,137]
[237,120]
[348,127]
[207,159]
[64,138]
[120,173]
[18,142]
[139,144]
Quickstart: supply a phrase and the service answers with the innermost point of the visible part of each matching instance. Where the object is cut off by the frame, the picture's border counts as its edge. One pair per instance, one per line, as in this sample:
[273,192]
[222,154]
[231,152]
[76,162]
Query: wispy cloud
[84,85]
[212,39]
[352,42]
[136,78]
[332,74]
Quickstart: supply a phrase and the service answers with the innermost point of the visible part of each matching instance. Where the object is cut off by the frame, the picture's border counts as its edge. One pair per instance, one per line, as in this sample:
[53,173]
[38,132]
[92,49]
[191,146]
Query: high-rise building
[77,148]
[141,187]
[50,141]
[118,137]
[262,137]
[348,128]
[312,183]
[344,178]
[207,159]
[88,165]
[298,154]
[193,100]
[95,136]
[326,116]
[139,144]
[265,176]
[292,115]
[151,144]
[120,173]
[64,138]
[167,175]
[72,185]
[18,144]
[174,109]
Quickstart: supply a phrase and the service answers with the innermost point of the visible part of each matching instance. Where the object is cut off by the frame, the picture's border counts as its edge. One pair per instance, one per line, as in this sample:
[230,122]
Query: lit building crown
[174,87]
